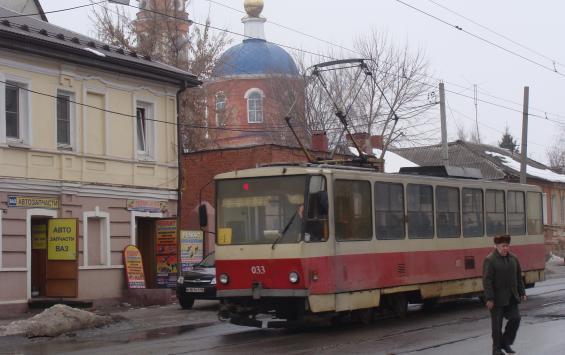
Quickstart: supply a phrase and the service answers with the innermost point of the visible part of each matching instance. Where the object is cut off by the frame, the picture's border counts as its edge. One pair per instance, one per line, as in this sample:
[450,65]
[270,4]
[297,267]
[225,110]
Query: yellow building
[87,131]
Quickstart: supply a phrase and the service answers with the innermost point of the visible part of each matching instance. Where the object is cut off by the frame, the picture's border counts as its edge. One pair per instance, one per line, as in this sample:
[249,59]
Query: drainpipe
[184,86]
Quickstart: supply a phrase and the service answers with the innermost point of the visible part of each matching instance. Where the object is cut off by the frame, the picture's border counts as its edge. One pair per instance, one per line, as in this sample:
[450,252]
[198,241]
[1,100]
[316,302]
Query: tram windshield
[266,210]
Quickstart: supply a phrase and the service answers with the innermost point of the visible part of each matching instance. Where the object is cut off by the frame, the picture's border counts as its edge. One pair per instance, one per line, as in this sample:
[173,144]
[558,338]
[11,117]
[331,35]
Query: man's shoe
[508,349]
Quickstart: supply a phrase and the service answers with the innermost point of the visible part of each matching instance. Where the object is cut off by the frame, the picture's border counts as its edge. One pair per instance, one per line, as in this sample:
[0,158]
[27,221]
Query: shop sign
[134,267]
[166,258]
[62,239]
[33,202]
[39,236]
[191,252]
[150,206]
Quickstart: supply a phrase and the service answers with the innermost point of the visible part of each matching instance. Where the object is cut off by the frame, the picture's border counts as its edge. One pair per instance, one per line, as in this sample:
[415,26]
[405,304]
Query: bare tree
[393,102]
[556,153]
[163,34]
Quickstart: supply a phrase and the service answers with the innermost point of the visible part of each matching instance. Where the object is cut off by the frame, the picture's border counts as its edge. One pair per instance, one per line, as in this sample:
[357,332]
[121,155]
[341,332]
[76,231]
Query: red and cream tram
[313,241]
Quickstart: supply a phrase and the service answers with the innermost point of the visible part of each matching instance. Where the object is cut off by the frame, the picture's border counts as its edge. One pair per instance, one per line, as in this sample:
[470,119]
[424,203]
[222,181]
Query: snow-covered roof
[545,174]
[393,161]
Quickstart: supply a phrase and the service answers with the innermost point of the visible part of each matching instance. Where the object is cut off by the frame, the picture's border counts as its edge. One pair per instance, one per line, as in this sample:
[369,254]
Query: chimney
[319,141]
[363,141]
[377,142]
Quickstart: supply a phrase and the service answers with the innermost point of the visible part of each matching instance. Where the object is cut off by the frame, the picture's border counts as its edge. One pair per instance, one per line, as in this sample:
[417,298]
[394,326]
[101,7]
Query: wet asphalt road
[461,327]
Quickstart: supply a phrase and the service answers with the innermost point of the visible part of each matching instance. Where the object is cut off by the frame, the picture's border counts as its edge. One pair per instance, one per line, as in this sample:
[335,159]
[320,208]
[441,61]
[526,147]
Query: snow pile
[545,174]
[54,321]
[393,161]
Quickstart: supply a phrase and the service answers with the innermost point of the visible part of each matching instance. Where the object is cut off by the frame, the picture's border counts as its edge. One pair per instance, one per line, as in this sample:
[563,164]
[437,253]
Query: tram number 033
[258,270]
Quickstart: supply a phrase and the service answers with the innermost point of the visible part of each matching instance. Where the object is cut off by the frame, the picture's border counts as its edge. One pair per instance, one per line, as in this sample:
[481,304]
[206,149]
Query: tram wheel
[400,305]
[366,316]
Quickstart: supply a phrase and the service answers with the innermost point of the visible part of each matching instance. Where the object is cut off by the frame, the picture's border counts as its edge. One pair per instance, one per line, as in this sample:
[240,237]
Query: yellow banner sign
[62,239]
[33,202]
[39,236]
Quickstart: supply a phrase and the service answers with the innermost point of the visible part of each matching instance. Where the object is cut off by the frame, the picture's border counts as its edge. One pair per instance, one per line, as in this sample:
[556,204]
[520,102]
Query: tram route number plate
[195,289]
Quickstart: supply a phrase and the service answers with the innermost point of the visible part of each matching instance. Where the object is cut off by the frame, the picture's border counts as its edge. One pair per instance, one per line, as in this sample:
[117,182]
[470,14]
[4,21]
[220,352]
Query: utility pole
[444,149]
[525,135]
[475,98]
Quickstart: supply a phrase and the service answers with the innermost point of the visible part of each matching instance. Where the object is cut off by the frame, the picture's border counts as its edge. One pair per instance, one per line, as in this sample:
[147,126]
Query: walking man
[503,290]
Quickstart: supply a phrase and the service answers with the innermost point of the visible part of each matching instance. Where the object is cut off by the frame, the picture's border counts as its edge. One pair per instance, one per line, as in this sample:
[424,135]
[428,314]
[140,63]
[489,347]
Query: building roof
[495,163]
[30,35]
[255,56]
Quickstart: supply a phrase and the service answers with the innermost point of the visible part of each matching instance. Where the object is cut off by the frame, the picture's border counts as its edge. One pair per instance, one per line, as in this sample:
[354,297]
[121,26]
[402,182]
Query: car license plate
[195,289]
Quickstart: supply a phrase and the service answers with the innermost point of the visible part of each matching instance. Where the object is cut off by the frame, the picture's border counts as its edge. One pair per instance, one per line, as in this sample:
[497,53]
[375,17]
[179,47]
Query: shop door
[61,271]
[146,244]
[38,255]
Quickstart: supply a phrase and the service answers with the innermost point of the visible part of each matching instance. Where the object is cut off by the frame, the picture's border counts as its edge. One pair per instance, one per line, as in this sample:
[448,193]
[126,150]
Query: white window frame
[24,111]
[555,209]
[105,242]
[72,121]
[223,110]
[149,152]
[247,96]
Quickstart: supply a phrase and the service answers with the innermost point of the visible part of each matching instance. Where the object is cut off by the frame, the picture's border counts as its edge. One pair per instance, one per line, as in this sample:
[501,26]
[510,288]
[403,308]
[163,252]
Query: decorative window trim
[247,96]
[24,110]
[149,153]
[220,110]
[72,121]
[105,254]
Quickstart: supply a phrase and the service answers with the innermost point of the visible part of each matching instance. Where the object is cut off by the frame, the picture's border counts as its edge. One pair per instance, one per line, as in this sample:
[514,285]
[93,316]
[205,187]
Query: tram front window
[260,210]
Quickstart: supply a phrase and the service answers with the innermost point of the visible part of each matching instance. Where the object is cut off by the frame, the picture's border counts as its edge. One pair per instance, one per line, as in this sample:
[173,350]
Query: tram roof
[280,169]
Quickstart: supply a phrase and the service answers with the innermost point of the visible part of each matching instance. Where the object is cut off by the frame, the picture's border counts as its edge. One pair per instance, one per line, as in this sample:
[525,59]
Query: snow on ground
[54,321]
[545,174]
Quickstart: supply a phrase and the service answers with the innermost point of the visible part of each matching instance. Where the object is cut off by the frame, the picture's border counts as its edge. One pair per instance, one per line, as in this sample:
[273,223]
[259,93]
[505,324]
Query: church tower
[163,37]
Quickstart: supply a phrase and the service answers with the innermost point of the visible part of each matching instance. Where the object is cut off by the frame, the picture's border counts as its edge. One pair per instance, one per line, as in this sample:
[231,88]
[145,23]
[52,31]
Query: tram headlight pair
[293,277]
[224,279]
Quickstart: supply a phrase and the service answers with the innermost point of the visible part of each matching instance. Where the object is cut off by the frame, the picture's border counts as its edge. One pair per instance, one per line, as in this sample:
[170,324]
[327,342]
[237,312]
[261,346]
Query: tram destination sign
[33,202]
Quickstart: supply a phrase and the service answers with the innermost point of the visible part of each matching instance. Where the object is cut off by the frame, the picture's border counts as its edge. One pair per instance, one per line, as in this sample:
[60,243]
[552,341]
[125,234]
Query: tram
[305,242]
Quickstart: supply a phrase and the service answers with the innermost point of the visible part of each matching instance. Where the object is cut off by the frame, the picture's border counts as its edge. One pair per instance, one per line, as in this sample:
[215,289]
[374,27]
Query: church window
[254,106]
[221,101]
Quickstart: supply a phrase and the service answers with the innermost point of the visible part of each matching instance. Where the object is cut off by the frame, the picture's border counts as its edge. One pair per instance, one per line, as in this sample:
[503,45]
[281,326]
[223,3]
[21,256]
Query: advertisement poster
[166,253]
[134,267]
[62,239]
[191,248]
[39,236]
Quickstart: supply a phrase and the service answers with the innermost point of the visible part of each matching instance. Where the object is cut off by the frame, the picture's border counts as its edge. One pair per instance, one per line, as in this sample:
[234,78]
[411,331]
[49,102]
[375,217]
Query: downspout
[179,156]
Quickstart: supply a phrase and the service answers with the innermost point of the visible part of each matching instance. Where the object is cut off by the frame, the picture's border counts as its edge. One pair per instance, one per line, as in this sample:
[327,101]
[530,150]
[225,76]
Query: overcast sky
[453,55]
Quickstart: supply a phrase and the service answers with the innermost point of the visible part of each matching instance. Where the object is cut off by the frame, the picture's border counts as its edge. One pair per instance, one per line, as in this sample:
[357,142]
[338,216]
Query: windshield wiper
[284,230]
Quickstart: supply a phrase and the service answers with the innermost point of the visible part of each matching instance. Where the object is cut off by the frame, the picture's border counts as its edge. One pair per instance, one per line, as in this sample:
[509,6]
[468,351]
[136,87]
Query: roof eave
[54,50]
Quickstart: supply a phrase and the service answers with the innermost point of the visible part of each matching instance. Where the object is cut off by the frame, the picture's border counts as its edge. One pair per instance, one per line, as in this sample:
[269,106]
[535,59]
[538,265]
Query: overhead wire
[52,11]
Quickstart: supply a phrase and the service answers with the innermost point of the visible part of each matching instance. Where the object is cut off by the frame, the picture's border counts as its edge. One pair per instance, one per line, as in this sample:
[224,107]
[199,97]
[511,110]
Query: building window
[221,102]
[448,218]
[554,209]
[254,106]
[389,211]
[420,211]
[495,210]
[145,130]
[16,111]
[353,220]
[65,118]
[473,216]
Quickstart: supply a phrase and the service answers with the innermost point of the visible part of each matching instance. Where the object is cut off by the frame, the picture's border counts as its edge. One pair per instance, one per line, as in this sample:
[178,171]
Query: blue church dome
[255,56]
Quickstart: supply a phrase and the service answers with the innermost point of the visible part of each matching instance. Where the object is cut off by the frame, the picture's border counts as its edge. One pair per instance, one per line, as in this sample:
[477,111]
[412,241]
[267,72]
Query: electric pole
[525,135]
[444,149]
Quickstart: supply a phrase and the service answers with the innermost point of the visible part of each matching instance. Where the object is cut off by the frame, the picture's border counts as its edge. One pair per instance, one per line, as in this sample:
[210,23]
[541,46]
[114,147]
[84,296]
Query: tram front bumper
[258,292]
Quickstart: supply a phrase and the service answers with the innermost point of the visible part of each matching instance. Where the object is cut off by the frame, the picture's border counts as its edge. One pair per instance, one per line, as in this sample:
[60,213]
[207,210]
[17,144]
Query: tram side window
[473,217]
[353,215]
[389,211]
[516,213]
[495,207]
[448,218]
[420,211]
[535,213]
[316,229]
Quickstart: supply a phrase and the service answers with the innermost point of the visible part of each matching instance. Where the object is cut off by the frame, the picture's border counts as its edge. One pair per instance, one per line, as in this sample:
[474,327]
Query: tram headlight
[224,279]
[293,277]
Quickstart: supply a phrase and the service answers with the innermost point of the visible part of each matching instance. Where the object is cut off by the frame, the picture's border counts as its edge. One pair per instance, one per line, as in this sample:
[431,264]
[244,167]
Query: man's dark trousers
[497,314]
